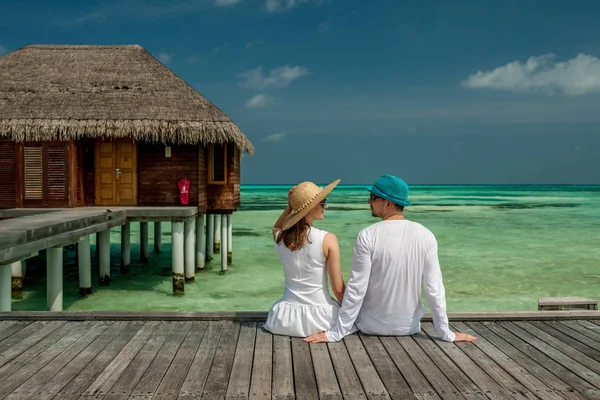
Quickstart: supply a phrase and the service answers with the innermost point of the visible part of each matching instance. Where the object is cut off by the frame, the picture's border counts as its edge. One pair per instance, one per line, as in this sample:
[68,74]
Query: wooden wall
[227,197]
[8,174]
[202,178]
[158,175]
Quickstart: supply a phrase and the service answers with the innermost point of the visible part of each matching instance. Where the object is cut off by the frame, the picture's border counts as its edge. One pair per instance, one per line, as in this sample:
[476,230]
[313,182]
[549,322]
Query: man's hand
[464,337]
[317,338]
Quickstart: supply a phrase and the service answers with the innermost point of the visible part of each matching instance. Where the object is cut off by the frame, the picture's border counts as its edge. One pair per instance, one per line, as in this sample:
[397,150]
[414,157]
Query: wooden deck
[157,359]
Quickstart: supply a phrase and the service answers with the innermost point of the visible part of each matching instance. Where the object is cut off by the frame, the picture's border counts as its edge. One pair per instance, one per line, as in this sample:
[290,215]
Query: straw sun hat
[302,198]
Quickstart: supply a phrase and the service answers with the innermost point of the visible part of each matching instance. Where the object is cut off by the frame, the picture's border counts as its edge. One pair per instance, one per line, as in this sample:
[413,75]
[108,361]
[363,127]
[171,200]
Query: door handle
[117,174]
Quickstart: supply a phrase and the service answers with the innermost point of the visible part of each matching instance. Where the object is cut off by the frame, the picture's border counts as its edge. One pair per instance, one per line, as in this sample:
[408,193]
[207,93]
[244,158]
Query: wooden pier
[533,355]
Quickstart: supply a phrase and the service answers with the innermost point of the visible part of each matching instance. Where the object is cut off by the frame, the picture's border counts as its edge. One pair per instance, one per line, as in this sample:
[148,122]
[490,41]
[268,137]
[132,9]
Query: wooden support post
[105,257]
[157,237]
[126,246]
[54,276]
[177,257]
[17,280]
[224,243]
[229,239]
[189,238]
[5,300]
[200,242]
[144,256]
[217,245]
[97,248]
[210,235]
[85,266]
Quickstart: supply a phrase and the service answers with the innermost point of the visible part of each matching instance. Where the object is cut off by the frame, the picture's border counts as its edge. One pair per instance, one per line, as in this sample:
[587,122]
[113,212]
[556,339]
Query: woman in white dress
[309,255]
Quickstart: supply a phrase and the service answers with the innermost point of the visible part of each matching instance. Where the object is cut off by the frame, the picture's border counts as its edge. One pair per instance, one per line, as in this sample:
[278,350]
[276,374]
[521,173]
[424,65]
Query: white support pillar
[200,242]
[224,243]
[5,287]
[189,238]
[17,280]
[229,239]
[54,276]
[104,257]
[210,235]
[144,256]
[217,245]
[157,237]
[85,266]
[126,246]
[177,257]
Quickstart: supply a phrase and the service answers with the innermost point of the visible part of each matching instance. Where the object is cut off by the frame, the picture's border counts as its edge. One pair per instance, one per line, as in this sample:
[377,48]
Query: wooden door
[116,173]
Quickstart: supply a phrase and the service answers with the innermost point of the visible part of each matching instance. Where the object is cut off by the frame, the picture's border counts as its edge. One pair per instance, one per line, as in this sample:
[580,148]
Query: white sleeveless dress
[306,307]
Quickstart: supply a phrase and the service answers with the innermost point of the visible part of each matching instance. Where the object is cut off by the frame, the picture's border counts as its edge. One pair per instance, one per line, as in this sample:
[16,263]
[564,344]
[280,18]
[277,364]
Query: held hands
[464,337]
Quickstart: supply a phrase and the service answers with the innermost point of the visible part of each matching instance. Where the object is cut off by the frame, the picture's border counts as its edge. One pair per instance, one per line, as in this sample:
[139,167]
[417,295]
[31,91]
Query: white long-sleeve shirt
[393,261]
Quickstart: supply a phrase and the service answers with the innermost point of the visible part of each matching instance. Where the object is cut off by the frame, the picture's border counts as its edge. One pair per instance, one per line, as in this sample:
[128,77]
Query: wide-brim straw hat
[304,197]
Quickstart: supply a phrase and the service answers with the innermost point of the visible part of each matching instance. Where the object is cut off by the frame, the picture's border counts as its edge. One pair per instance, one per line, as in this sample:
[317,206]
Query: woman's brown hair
[295,237]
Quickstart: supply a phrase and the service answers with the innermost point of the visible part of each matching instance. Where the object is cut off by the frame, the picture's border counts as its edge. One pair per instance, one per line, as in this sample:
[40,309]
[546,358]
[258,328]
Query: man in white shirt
[393,261]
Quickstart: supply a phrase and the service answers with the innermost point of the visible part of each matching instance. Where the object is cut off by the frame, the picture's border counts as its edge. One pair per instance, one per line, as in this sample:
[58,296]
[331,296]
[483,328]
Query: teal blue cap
[391,188]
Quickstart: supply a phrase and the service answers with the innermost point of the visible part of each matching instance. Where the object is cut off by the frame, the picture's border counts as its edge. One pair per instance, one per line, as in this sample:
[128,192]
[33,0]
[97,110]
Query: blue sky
[438,93]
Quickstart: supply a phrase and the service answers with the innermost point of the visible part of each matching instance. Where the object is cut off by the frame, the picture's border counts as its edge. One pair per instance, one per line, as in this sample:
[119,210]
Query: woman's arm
[279,223]
[331,250]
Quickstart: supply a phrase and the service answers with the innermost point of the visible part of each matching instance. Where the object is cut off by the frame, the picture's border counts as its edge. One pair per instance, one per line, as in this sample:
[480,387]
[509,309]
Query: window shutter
[7,174]
[80,194]
[33,173]
[57,173]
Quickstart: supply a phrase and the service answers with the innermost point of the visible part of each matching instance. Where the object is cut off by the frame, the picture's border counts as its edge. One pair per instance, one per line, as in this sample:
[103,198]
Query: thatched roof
[70,92]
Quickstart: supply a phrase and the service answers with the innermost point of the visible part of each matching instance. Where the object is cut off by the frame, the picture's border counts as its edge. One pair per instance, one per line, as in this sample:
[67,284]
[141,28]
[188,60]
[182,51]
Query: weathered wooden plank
[7,328]
[558,350]
[241,371]
[574,339]
[394,382]
[560,372]
[444,388]
[461,381]
[134,371]
[372,384]
[586,328]
[62,377]
[220,370]
[283,372]
[419,385]
[262,367]
[304,376]
[53,345]
[474,371]
[189,369]
[26,338]
[324,373]
[518,372]
[149,382]
[112,371]
[91,331]
[345,372]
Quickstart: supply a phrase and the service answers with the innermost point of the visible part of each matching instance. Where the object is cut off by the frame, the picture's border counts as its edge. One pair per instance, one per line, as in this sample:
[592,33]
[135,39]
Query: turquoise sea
[500,247]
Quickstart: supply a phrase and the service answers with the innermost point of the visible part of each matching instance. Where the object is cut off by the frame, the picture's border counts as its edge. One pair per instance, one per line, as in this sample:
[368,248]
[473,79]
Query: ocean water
[500,248]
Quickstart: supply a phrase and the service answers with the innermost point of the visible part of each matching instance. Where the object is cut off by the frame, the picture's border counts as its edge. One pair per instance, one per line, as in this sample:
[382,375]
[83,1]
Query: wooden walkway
[137,359]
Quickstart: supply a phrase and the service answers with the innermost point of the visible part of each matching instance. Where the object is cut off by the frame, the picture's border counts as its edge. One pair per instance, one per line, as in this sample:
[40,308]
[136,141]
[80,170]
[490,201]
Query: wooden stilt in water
[200,243]
[229,239]
[105,257]
[157,237]
[177,257]
[144,256]
[5,284]
[85,266]
[17,280]
[97,248]
[54,276]
[189,238]
[210,235]
[224,243]
[126,247]
[217,245]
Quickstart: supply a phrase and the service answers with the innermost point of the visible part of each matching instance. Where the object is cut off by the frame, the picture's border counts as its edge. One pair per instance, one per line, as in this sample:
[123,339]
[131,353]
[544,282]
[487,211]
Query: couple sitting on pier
[393,261]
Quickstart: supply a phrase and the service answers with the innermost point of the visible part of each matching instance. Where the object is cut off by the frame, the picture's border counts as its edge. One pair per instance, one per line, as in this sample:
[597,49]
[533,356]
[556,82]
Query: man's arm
[436,294]
[353,296]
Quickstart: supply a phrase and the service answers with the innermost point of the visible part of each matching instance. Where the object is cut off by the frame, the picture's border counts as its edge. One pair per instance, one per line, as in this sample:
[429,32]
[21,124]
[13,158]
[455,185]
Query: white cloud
[324,26]
[283,5]
[3,50]
[227,3]
[165,58]
[259,101]
[276,137]
[253,42]
[575,77]
[278,77]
